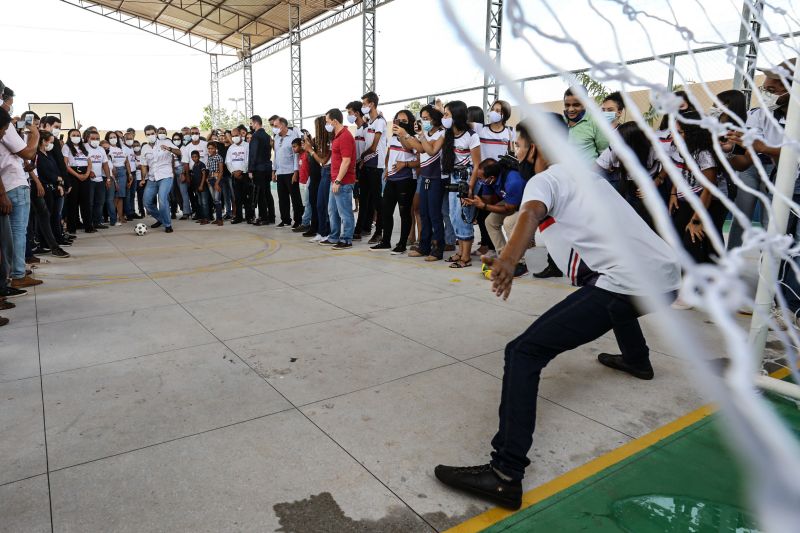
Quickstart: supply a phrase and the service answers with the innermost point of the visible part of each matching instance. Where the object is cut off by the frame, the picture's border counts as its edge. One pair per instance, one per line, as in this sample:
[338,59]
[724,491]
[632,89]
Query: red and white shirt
[378,157]
[494,144]
[399,154]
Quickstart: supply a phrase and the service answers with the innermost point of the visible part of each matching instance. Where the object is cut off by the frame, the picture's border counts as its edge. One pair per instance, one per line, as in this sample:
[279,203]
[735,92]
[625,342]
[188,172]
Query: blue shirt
[509,187]
[285,158]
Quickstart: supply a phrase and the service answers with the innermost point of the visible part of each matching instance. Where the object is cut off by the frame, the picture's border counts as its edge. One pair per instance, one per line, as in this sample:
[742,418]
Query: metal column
[752,50]
[247,57]
[368,20]
[214,91]
[494,31]
[296,66]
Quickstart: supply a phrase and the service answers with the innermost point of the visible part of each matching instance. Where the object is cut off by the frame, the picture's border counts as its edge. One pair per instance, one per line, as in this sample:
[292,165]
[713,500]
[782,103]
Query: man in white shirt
[157,164]
[285,173]
[195,143]
[373,161]
[561,208]
[13,153]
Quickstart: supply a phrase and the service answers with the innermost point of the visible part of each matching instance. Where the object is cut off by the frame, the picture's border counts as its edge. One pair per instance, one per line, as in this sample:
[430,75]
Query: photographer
[501,198]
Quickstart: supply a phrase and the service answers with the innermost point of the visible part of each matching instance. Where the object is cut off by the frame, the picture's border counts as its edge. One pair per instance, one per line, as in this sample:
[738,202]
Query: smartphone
[28,120]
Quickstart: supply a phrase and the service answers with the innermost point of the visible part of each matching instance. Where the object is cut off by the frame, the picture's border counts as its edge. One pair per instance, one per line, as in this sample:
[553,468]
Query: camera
[462,185]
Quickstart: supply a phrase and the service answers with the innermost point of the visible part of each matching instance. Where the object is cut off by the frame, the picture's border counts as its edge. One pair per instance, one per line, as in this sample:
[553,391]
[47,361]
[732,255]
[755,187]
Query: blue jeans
[583,316]
[186,204]
[110,195]
[307,212]
[461,218]
[20,198]
[340,211]
[430,213]
[203,203]
[130,199]
[449,232]
[158,189]
[215,199]
[98,200]
[322,202]
[227,194]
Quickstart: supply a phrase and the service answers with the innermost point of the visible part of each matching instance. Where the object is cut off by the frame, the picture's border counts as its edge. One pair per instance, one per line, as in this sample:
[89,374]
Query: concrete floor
[241,379]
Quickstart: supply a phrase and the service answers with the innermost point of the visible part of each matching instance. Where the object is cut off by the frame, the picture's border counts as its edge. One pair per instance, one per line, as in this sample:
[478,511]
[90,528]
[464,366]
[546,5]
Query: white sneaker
[680,305]
[118,224]
[318,238]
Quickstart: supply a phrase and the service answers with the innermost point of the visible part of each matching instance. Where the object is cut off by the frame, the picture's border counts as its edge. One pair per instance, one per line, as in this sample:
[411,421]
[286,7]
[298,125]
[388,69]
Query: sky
[119,77]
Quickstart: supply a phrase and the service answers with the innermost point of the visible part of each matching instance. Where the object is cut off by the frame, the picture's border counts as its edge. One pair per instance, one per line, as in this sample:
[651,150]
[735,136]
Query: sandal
[461,264]
[454,258]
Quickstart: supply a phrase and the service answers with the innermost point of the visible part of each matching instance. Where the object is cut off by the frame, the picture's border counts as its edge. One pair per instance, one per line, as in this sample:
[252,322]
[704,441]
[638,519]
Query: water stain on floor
[320,513]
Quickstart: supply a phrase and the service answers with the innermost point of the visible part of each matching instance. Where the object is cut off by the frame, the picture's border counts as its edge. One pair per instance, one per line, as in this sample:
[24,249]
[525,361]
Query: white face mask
[56,132]
[715,112]
[351,119]
[365,110]
[770,100]
[112,141]
[447,123]
[75,139]
[162,136]
[195,137]
[49,147]
[151,138]
[129,142]
[137,150]
[494,117]
[177,142]
[94,143]
[276,131]
[236,140]
[329,128]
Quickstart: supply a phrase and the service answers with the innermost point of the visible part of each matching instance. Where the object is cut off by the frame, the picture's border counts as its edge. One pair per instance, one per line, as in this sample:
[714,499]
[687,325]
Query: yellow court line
[576,475]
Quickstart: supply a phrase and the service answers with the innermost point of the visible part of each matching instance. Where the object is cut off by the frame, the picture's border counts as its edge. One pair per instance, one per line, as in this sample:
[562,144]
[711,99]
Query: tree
[225,119]
[414,107]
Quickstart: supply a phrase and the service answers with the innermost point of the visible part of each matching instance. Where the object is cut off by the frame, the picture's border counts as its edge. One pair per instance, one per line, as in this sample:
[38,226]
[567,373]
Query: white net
[724,286]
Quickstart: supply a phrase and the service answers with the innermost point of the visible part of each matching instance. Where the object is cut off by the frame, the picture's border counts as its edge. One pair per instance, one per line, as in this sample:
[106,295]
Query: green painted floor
[687,483]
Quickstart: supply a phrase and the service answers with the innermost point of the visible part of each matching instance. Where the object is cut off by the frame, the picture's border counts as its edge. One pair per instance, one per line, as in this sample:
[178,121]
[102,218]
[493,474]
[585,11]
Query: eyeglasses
[772,90]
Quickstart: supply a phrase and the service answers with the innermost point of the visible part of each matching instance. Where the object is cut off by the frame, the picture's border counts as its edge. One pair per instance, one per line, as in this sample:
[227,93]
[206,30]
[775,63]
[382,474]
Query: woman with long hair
[320,151]
[76,157]
[121,170]
[460,159]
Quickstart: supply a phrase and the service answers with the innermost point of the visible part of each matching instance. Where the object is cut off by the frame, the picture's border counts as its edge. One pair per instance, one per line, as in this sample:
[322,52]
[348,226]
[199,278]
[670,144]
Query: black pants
[580,318]
[243,190]
[701,250]
[289,192]
[83,191]
[263,196]
[40,218]
[400,192]
[51,200]
[140,197]
[485,239]
[370,200]
[313,192]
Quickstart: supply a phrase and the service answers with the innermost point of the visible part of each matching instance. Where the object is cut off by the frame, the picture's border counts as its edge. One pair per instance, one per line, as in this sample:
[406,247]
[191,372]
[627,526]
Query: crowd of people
[446,171]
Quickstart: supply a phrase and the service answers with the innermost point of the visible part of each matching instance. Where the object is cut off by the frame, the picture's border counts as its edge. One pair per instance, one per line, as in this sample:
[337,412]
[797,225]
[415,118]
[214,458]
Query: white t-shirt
[238,157]
[80,159]
[117,156]
[158,160]
[186,153]
[494,144]
[377,158]
[398,153]
[431,165]
[131,155]
[97,156]
[576,241]
[608,160]
[360,141]
[12,167]
[463,146]
[704,160]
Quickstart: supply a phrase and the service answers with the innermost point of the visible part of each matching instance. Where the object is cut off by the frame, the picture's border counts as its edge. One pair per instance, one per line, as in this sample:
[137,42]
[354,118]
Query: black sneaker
[376,238]
[155,225]
[399,250]
[326,242]
[90,230]
[64,242]
[342,246]
[482,481]
[11,292]
[237,221]
[41,250]
[520,270]
[100,226]
[380,247]
[226,217]
[618,363]
[283,225]
[300,229]
[549,272]
[58,252]
[356,236]
[168,229]
[310,233]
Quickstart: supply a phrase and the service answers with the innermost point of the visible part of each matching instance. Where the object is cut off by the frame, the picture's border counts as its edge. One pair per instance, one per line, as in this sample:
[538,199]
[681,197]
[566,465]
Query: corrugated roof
[223,21]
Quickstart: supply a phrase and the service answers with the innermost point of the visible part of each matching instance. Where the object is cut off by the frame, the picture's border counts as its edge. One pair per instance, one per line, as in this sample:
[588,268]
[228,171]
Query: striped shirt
[399,154]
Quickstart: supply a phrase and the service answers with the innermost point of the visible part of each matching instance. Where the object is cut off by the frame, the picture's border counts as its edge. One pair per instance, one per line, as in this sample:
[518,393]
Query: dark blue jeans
[322,202]
[580,318]
[431,196]
[204,203]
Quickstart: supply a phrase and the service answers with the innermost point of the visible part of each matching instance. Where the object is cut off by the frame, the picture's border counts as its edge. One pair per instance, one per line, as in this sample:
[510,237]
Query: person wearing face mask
[76,157]
[612,107]
[179,183]
[236,160]
[157,170]
[123,176]
[195,143]
[259,172]
[400,184]
[355,117]
[285,173]
[46,180]
[100,178]
[373,162]
[140,179]
[428,143]
[186,135]
[320,151]
[129,201]
[343,176]
[52,124]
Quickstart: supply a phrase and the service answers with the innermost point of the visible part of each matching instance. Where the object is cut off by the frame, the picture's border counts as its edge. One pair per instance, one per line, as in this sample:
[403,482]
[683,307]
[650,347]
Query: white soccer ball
[140,229]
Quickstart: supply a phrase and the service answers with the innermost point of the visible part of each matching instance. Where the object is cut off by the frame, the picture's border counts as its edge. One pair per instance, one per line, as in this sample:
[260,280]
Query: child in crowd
[199,184]
[214,174]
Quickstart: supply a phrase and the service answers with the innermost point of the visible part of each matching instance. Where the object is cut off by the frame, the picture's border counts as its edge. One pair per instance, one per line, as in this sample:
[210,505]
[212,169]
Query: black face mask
[526,169]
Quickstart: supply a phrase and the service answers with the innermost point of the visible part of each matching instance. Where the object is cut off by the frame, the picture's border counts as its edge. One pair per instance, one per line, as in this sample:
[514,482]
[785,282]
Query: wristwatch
[337,182]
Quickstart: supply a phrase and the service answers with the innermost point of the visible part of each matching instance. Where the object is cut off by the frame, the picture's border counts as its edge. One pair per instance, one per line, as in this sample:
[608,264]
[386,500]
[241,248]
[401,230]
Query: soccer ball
[140,229]
[486,271]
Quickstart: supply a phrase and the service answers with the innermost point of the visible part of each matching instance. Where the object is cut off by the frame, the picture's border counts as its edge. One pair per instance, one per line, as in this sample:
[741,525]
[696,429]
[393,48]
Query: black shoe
[380,247]
[376,238]
[250,221]
[520,270]
[300,229]
[482,481]
[41,250]
[173,216]
[226,217]
[356,236]
[237,221]
[64,243]
[310,234]
[259,222]
[399,250]
[155,225]
[58,252]
[101,226]
[549,272]
[90,230]
[326,242]
[282,225]
[185,217]
[342,246]
[618,363]
[11,292]
[168,229]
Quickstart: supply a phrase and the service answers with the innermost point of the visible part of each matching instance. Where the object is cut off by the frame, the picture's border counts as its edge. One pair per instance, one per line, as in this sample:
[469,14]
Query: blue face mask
[427,125]
[610,116]
[576,119]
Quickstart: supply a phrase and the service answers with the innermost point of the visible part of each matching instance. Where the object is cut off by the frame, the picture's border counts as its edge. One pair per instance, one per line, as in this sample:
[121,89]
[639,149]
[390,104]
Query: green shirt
[588,137]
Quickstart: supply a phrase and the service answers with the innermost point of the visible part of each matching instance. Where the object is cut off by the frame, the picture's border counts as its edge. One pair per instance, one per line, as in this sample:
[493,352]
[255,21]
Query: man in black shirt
[260,168]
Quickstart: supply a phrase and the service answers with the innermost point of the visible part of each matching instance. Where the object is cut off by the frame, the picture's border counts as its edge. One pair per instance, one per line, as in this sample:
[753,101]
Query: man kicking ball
[561,207]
